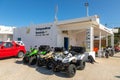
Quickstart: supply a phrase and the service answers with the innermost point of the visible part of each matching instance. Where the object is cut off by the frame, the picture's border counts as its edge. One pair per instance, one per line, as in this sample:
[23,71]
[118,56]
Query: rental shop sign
[42,31]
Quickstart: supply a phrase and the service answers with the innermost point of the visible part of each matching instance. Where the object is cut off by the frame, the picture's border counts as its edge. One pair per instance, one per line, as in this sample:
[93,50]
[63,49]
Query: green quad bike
[45,57]
[31,56]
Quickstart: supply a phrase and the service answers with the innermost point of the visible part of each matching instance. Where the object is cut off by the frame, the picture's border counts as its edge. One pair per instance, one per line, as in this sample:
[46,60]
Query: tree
[117,37]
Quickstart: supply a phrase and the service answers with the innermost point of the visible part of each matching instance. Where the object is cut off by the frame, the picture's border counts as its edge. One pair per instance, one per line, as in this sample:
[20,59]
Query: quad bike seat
[45,48]
[58,49]
[75,50]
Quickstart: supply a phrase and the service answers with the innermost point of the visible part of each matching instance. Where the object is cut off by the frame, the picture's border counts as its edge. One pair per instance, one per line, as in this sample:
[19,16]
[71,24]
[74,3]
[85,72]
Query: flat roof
[83,23]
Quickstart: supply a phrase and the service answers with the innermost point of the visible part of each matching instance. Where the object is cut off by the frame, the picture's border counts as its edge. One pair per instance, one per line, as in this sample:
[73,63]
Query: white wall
[6,29]
[81,39]
[5,37]
[76,38]
[6,32]
[30,38]
[60,39]
[72,39]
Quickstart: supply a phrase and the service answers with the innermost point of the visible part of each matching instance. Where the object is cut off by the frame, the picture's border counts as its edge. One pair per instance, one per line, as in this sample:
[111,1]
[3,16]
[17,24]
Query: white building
[75,32]
[6,33]
[115,30]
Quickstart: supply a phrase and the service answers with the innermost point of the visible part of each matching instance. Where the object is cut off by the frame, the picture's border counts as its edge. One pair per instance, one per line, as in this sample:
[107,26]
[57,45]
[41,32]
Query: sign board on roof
[115,30]
[6,30]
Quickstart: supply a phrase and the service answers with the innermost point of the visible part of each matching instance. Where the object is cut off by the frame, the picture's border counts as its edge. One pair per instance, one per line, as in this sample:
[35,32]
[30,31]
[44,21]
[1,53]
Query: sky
[20,13]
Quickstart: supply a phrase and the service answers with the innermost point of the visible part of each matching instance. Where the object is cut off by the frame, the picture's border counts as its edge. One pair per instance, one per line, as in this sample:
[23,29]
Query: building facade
[74,32]
[6,33]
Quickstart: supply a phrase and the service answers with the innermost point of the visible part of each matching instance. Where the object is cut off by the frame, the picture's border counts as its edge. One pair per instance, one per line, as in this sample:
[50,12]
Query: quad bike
[106,50]
[45,57]
[31,56]
[69,61]
[109,51]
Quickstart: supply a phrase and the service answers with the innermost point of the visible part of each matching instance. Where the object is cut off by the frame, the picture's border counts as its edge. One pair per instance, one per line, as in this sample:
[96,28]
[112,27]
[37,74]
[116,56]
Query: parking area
[103,69]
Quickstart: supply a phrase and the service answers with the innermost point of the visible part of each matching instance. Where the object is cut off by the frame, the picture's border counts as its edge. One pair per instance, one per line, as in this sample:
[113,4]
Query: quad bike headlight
[65,60]
[66,52]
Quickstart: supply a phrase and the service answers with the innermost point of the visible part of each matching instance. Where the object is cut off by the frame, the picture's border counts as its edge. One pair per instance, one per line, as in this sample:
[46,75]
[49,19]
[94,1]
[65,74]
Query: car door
[2,54]
[7,49]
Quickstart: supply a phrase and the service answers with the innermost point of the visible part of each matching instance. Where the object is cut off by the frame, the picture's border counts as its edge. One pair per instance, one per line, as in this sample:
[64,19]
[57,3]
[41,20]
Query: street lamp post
[86,5]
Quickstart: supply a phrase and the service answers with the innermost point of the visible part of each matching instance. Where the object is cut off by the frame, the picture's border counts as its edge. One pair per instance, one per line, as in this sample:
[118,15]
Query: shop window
[65,32]
[10,37]
[19,39]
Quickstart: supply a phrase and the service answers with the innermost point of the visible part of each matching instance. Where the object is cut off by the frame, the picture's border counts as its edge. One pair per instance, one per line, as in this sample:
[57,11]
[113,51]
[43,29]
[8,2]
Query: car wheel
[20,54]
[71,70]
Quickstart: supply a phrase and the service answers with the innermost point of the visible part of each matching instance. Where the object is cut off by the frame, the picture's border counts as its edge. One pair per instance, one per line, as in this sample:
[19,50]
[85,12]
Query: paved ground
[104,69]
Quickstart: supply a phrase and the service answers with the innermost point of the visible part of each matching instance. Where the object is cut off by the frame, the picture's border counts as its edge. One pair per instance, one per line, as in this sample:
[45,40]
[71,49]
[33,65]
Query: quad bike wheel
[39,63]
[33,60]
[81,66]
[71,70]
[112,54]
[49,65]
[25,60]
[106,55]
[55,69]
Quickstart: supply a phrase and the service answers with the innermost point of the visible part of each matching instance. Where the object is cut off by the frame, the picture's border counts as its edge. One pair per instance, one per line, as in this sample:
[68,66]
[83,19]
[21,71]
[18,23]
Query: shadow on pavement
[45,71]
[19,62]
[7,58]
[117,76]
[61,74]
[32,66]
[116,56]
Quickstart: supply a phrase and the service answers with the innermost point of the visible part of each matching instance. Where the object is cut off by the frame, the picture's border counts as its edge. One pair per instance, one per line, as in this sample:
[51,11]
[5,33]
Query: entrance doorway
[66,43]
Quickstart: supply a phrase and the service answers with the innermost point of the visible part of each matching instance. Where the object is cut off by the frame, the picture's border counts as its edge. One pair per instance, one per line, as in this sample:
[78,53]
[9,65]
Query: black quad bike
[109,51]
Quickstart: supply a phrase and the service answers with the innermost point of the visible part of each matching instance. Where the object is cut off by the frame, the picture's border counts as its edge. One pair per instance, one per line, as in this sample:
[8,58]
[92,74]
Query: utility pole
[87,5]
[56,12]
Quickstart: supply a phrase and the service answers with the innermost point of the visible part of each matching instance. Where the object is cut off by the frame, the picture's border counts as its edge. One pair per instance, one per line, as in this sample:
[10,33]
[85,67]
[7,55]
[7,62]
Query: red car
[13,48]
[1,43]
[117,48]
